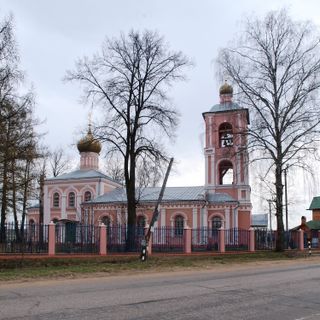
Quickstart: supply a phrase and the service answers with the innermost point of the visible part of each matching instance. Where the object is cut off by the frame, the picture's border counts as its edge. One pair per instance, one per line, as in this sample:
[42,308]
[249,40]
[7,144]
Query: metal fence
[33,238]
[205,239]
[265,239]
[74,238]
[124,238]
[237,240]
[168,239]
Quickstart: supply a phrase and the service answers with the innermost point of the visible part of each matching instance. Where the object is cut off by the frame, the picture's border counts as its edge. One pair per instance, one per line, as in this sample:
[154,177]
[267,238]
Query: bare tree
[129,79]
[18,139]
[275,66]
[114,167]
[59,162]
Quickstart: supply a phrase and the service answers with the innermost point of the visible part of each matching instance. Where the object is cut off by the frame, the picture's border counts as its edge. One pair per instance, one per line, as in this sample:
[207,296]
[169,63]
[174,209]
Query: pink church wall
[33,214]
[244,220]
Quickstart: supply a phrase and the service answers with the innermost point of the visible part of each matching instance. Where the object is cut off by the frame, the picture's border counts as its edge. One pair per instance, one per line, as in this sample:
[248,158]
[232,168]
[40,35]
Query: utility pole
[286,195]
[144,242]
[269,201]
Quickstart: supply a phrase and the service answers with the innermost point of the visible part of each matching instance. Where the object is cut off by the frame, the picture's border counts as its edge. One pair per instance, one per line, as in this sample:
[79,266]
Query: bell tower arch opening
[225,172]
[225,135]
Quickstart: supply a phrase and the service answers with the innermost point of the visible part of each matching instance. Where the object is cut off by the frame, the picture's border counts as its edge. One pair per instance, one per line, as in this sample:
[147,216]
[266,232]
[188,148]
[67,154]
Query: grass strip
[26,268]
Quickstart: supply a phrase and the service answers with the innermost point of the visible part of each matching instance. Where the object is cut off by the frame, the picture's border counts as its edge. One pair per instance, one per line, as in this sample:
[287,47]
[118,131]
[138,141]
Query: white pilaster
[78,206]
[46,206]
[194,218]
[101,188]
[238,163]
[163,217]
[213,170]
[204,216]
[118,216]
[210,131]
[227,218]
[206,169]
[63,207]
[235,218]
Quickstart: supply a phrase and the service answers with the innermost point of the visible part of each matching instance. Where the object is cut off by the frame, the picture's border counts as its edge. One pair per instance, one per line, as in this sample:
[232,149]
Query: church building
[89,196]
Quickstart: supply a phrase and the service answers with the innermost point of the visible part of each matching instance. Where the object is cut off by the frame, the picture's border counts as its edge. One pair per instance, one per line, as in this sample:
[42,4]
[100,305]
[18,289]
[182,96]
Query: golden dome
[226,89]
[89,143]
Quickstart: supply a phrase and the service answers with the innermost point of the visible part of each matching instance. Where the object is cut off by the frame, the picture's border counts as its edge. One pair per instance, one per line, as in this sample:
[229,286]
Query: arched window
[87,196]
[56,200]
[72,200]
[106,221]
[32,225]
[32,229]
[178,225]
[216,223]
[225,172]
[141,223]
[225,135]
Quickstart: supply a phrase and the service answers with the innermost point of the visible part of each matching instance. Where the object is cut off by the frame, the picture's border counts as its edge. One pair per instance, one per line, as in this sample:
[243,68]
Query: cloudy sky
[51,35]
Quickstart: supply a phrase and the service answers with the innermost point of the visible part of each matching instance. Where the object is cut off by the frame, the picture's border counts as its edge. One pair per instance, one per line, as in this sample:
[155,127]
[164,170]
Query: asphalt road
[274,291]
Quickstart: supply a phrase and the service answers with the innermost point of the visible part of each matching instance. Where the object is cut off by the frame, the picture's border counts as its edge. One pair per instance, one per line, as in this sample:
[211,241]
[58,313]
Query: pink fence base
[103,240]
[187,240]
[51,239]
[222,246]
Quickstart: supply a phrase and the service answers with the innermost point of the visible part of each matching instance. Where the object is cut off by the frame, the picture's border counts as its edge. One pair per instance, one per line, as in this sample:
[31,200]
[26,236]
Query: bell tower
[226,155]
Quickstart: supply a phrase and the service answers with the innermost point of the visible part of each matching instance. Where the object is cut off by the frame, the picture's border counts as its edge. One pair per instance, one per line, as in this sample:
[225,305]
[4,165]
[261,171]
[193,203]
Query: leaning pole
[145,241]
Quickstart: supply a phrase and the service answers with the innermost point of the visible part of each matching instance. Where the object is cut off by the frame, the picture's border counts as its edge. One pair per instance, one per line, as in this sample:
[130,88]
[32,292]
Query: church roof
[151,194]
[312,224]
[228,106]
[81,174]
[225,107]
[315,203]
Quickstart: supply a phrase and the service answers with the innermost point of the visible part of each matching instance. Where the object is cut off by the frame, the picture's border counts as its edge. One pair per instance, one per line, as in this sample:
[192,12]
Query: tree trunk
[279,209]
[4,201]
[25,196]
[14,202]
[131,197]
[41,208]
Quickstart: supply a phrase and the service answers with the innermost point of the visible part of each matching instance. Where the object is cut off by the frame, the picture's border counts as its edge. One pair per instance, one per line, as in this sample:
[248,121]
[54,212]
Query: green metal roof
[150,194]
[315,203]
[314,224]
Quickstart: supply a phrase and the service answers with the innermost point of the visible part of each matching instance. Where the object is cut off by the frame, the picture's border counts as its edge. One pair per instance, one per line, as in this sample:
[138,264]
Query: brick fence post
[319,239]
[301,240]
[51,239]
[222,246]
[187,239]
[149,247]
[251,240]
[103,239]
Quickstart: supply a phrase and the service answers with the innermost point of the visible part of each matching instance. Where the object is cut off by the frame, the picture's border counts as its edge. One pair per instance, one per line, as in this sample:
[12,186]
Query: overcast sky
[51,35]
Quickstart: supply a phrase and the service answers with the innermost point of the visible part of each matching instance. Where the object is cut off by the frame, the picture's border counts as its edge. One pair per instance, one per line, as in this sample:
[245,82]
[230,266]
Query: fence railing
[77,238]
[237,240]
[168,239]
[266,239]
[205,239]
[32,238]
[124,238]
